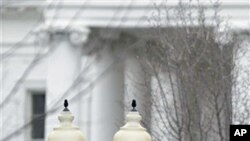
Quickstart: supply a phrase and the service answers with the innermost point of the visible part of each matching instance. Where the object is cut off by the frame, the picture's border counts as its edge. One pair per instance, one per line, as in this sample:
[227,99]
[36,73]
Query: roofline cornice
[106,4]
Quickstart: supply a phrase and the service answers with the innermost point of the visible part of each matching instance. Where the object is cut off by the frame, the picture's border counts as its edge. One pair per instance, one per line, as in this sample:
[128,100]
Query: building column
[107,99]
[64,64]
[241,92]
[137,86]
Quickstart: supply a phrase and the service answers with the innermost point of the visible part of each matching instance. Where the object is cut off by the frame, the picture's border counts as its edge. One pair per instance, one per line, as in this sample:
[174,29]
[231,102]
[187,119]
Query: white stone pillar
[64,64]
[85,108]
[107,100]
[137,86]
[241,91]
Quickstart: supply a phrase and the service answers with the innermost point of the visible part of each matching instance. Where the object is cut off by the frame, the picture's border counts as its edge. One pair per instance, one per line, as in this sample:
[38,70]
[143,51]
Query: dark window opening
[38,116]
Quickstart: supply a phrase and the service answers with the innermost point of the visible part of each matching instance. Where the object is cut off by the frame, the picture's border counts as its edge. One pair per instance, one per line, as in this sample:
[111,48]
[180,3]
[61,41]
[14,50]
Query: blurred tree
[193,67]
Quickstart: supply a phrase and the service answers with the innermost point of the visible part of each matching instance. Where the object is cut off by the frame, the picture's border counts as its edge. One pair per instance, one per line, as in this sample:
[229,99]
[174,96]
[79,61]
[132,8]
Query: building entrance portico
[92,57]
[105,78]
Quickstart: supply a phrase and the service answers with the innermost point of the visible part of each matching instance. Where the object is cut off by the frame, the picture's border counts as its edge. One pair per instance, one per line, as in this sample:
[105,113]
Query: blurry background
[186,62]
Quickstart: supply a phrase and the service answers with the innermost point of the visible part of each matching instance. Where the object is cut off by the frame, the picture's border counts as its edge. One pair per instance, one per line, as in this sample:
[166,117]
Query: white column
[85,107]
[64,64]
[241,91]
[107,101]
[137,86]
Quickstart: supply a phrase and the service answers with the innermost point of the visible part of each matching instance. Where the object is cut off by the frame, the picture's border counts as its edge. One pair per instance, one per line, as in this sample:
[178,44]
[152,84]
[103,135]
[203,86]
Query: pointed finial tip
[133,105]
[66,104]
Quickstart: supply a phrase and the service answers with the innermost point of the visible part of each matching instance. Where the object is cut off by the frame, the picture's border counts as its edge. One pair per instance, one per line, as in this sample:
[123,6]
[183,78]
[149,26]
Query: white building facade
[76,50]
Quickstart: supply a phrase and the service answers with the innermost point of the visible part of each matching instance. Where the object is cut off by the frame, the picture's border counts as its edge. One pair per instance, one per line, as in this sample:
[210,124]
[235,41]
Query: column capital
[243,35]
[75,34]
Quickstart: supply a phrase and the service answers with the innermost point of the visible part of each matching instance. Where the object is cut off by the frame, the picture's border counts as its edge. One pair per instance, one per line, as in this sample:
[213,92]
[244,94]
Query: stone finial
[66,131]
[132,130]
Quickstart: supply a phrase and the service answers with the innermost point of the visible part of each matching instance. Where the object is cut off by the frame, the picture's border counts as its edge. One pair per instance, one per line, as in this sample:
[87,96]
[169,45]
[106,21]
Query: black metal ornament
[134,105]
[66,104]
